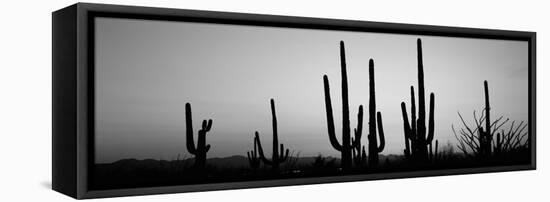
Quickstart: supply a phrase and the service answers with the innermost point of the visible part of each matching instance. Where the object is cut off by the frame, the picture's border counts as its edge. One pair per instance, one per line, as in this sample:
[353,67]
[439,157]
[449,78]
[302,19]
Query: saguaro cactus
[253,158]
[276,157]
[485,136]
[416,133]
[202,148]
[483,139]
[374,148]
[346,147]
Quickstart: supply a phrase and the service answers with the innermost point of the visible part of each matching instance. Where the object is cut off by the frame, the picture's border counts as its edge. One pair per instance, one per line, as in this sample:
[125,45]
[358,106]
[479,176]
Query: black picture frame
[73,87]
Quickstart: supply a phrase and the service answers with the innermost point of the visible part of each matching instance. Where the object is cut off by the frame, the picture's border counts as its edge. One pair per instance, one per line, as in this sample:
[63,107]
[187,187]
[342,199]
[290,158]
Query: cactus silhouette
[277,157]
[374,148]
[202,148]
[347,145]
[359,156]
[485,136]
[478,140]
[416,132]
[253,158]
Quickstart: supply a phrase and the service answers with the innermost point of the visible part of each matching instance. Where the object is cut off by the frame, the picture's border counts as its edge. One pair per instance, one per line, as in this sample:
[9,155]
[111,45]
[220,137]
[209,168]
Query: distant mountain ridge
[235,161]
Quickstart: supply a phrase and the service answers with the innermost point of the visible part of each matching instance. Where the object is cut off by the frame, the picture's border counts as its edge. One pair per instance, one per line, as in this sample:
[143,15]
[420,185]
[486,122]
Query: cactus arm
[431,121]
[204,125]
[253,156]
[190,142]
[207,148]
[330,119]
[380,133]
[406,125]
[284,154]
[249,158]
[359,130]
[406,128]
[261,150]
[207,126]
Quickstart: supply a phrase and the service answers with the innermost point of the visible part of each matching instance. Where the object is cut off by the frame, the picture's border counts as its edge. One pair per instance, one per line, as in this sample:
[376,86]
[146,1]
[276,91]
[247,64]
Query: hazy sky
[147,70]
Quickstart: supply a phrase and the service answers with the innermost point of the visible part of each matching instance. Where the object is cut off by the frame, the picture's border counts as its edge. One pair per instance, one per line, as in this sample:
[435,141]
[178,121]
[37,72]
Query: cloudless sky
[147,70]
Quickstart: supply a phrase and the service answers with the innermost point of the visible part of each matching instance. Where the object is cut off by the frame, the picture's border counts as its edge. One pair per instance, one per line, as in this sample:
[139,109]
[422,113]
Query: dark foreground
[131,173]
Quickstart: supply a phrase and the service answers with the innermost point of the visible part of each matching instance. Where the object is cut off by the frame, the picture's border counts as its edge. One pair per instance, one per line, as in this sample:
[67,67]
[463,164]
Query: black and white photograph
[274,101]
[180,103]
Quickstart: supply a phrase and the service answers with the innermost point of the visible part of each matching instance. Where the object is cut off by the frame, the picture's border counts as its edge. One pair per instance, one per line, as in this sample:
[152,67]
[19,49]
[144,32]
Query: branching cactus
[374,147]
[416,132]
[345,148]
[253,158]
[202,148]
[277,157]
[484,139]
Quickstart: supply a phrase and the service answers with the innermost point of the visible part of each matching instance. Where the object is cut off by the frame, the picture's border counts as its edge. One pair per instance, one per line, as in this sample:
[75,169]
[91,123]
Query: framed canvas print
[154,100]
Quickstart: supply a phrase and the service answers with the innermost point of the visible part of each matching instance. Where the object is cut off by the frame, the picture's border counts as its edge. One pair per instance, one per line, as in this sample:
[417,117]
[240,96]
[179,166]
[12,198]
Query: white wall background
[25,100]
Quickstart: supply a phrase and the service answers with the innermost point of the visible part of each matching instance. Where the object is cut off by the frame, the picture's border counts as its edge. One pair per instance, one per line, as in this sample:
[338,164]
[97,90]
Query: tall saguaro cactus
[276,157]
[485,136]
[202,148]
[374,148]
[419,137]
[347,145]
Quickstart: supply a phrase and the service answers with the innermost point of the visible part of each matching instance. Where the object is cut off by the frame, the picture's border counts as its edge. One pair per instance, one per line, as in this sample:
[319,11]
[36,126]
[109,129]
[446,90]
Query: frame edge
[64,126]
[82,68]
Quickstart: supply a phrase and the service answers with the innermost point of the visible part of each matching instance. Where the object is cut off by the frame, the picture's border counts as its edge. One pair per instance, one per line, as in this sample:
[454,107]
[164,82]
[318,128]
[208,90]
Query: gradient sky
[147,70]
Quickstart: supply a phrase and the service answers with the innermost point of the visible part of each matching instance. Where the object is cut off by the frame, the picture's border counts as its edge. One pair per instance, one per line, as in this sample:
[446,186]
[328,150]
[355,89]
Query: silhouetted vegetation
[374,148]
[346,147]
[276,157]
[358,151]
[417,139]
[324,165]
[202,148]
[253,158]
[485,143]
[479,142]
